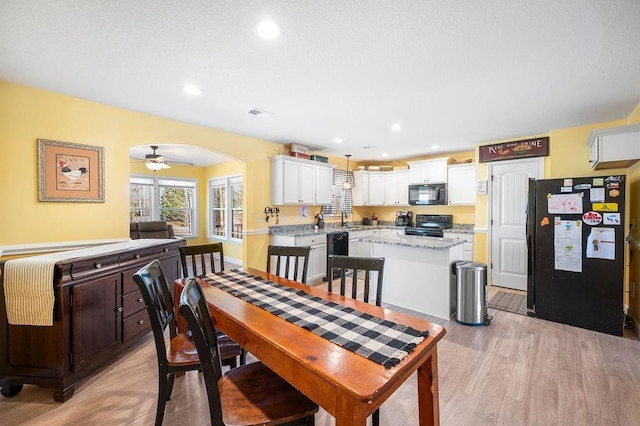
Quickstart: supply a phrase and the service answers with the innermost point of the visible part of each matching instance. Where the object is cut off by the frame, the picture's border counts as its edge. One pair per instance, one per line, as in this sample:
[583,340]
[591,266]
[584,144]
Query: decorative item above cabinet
[299,181]
[614,147]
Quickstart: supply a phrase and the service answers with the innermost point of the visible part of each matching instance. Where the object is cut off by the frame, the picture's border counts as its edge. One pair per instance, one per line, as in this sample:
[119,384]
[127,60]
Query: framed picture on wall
[70,172]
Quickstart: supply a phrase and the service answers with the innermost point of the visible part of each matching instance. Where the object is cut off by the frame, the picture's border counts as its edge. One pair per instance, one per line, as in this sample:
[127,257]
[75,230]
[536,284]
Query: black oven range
[430,225]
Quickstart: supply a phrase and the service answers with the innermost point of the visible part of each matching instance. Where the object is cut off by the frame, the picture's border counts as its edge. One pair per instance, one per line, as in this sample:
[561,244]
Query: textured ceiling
[453,73]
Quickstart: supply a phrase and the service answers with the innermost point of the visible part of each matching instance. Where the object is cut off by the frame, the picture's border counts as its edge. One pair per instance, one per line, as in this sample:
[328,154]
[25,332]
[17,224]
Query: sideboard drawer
[132,303]
[135,324]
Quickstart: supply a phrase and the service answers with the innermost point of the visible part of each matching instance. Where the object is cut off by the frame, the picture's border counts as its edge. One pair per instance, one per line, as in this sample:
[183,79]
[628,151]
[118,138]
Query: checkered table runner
[381,341]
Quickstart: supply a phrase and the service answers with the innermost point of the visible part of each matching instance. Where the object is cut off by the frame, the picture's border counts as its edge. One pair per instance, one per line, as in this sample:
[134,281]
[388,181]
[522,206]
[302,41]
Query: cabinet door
[390,189]
[461,185]
[324,185]
[317,263]
[376,189]
[96,318]
[307,184]
[291,182]
[437,170]
[361,190]
[403,188]
[418,173]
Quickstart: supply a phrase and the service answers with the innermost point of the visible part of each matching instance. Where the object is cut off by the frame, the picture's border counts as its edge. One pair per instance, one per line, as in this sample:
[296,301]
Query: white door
[509,188]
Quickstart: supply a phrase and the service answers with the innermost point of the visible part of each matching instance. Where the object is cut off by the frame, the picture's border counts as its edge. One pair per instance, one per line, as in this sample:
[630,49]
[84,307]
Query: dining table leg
[428,399]
[349,412]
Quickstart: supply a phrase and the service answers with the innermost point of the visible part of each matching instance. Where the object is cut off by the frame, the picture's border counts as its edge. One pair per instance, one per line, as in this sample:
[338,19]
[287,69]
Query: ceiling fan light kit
[155,161]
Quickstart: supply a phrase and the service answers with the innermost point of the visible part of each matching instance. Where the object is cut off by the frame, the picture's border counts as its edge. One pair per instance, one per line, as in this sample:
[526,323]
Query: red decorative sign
[538,147]
[592,218]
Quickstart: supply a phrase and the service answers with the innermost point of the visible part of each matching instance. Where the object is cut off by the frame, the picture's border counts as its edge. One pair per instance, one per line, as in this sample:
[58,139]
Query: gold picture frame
[70,172]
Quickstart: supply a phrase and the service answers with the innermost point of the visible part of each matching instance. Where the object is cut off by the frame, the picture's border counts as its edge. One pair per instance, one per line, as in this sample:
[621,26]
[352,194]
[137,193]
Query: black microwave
[428,193]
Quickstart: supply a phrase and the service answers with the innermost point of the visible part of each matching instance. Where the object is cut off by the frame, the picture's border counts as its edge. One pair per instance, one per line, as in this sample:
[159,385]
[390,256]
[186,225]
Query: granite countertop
[460,228]
[305,230]
[415,241]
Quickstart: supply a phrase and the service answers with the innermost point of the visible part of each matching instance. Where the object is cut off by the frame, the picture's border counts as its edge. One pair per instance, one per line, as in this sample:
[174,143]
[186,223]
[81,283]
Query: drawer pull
[98,265]
[120,309]
[165,250]
[141,322]
[140,299]
[137,256]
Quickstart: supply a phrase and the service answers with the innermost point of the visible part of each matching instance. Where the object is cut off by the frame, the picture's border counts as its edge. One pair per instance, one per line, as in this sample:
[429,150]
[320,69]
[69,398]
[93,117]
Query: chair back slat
[202,259]
[354,264]
[292,258]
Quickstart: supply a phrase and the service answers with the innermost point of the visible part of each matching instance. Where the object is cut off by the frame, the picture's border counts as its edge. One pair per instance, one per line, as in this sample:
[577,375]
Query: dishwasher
[337,243]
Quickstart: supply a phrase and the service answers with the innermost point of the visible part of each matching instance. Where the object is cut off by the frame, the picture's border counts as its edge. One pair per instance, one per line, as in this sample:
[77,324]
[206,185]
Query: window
[171,200]
[225,199]
[342,197]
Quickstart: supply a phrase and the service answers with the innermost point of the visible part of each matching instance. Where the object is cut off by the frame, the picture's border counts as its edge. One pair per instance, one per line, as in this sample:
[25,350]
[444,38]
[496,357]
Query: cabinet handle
[165,249]
[140,299]
[137,256]
[98,265]
[141,322]
[120,309]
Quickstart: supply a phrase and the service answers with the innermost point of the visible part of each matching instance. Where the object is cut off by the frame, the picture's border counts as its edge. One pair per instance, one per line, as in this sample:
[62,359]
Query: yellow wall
[27,114]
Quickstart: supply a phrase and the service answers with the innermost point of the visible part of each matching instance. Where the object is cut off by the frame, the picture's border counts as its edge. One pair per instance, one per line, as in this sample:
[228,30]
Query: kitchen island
[417,272]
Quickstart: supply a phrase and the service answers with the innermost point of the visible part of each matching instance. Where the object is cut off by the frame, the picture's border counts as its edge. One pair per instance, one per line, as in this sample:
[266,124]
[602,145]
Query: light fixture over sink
[347,184]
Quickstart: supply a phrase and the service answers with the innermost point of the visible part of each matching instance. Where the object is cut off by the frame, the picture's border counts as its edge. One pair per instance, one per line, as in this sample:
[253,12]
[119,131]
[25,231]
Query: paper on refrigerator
[601,243]
[567,243]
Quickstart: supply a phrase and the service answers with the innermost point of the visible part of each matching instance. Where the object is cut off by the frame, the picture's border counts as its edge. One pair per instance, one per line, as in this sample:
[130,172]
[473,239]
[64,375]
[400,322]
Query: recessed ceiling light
[385,154]
[396,127]
[268,29]
[435,147]
[191,89]
[337,140]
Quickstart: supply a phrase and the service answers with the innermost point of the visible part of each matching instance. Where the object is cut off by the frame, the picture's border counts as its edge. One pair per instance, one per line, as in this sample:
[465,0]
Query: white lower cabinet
[317,256]
[359,248]
[467,246]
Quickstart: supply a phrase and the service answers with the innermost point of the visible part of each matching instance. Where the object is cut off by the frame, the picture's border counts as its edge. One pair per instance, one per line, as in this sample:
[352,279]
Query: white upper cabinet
[381,188]
[299,181]
[426,171]
[377,185]
[461,186]
[396,188]
[360,192]
[324,185]
[614,147]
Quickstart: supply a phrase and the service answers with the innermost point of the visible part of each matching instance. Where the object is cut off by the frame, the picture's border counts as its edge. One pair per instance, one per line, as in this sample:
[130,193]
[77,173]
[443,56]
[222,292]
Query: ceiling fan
[155,161]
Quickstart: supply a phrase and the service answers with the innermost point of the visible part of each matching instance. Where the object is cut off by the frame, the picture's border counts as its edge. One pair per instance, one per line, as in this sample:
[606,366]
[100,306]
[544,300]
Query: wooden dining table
[348,386]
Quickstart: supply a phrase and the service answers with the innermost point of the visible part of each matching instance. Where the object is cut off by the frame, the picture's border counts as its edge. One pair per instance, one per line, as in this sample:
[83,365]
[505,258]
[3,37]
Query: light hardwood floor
[517,371]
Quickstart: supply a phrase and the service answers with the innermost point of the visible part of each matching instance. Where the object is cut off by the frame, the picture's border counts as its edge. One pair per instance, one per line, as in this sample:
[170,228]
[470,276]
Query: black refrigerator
[576,243]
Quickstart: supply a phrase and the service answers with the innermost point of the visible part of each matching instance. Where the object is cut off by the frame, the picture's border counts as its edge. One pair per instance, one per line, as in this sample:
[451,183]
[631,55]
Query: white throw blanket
[28,281]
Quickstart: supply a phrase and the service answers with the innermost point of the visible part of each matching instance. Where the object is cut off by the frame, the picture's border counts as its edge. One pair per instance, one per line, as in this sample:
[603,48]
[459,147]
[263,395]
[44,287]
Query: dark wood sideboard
[98,313]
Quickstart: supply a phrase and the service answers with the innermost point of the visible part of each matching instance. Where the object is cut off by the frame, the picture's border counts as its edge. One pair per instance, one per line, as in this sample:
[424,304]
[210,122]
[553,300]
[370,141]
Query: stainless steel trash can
[453,285]
[471,289]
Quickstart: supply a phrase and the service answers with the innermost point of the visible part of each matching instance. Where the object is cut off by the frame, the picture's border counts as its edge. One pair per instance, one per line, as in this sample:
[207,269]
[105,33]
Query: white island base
[419,278]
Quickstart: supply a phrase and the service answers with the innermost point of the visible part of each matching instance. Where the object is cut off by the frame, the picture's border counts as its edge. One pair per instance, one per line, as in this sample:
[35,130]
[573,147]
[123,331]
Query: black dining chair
[288,261]
[342,266]
[202,259]
[251,394]
[178,353]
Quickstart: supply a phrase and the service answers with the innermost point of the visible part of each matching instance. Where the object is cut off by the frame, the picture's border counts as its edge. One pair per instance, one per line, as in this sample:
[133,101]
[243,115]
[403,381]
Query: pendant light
[347,184]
